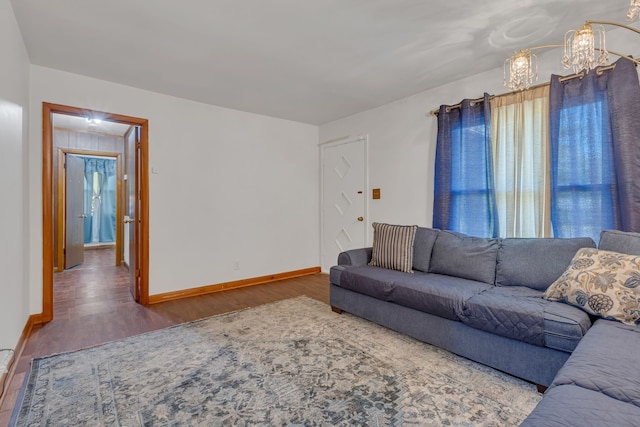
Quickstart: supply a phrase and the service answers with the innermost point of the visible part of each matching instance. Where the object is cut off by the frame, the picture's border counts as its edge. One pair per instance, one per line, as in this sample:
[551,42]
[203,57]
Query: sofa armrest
[353,257]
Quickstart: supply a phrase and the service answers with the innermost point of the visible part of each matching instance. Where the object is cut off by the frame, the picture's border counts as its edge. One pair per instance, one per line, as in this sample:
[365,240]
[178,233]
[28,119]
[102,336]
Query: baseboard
[154,299]
[34,319]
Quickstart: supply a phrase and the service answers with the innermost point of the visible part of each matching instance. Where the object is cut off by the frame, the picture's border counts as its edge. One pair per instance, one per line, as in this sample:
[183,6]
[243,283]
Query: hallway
[94,287]
[92,304]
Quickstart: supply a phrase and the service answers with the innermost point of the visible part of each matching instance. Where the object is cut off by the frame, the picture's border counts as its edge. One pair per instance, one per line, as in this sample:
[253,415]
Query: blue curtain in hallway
[594,127]
[88,201]
[464,191]
[100,200]
[108,208]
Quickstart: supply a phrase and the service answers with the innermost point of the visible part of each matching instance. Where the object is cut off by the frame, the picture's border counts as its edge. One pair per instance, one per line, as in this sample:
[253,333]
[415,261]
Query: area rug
[290,363]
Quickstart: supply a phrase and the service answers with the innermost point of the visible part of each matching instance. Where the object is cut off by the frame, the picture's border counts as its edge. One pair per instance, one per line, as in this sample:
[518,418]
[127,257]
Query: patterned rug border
[441,372]
[28,377]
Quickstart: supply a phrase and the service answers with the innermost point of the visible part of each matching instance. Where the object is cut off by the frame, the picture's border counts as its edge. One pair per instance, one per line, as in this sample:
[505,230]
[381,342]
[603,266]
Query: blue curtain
[88,199]
[108,209]
[623,93]
[464,193]
[100,200]
[594,125]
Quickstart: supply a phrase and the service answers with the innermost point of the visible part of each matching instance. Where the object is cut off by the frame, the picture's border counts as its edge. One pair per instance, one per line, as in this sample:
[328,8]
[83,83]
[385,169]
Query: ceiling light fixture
[584,49]
[634,10]
[580,48]
[522,69]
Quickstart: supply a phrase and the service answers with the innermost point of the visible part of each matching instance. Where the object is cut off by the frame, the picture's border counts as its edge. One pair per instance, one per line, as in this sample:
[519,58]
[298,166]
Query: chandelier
[580,48]
[584,49]
[634,10]
[522,69]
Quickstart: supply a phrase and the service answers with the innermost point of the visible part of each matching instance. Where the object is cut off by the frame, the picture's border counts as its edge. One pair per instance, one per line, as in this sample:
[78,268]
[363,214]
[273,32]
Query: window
[520,143]
[464,194]
[469,193]
[557,161]
[583,179]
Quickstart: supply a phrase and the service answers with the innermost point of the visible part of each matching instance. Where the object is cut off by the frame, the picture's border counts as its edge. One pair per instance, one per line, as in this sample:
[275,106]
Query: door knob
[129,220]
[360,218]
[82,216]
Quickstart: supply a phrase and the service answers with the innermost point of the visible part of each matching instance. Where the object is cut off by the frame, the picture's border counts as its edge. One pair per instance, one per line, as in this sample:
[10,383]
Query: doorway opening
[88,197]
[130,216]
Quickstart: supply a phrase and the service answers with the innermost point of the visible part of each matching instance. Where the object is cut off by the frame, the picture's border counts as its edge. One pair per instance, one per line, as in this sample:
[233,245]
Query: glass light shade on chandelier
[580,48]
[634,10]
[520,70]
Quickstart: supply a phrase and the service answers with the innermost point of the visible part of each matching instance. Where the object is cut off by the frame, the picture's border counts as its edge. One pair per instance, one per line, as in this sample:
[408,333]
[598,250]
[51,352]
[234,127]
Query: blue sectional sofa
[600,383]
[482,299]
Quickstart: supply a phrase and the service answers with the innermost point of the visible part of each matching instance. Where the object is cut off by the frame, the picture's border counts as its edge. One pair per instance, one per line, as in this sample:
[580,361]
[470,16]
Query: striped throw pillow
[393,246]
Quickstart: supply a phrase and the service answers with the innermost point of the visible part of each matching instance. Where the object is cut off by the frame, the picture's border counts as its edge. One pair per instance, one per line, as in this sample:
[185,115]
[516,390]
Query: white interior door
[132,209]
[74,212]
[344,196]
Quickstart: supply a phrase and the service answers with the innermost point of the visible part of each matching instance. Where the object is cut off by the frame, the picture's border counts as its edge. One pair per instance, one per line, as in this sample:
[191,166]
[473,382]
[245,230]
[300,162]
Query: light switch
[155,170]
[375,193]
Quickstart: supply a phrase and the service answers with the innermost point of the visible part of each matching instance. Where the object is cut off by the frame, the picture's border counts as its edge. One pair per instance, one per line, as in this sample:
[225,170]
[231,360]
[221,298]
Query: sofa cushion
[606,361]
[520,313]
[602,283]
[536,263]
[620,241]
[435,294]
[373,281]
[570,405]
[517,312]
[422,247]
[393,246]
[459,255]
[564,326]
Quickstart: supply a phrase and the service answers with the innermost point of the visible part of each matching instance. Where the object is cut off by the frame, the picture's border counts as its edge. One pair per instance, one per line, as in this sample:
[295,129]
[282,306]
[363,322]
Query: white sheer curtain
[520,137]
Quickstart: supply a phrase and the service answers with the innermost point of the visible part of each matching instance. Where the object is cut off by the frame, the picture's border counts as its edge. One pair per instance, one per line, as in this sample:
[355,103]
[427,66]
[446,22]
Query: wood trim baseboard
[169,296]
[33,320]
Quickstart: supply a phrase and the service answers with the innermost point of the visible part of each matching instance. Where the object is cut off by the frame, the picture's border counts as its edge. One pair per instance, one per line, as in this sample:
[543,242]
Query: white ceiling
[82,124]
[311,61]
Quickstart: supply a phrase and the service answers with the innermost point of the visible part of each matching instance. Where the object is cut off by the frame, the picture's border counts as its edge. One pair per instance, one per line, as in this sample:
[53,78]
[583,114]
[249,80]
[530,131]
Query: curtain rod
[599,71]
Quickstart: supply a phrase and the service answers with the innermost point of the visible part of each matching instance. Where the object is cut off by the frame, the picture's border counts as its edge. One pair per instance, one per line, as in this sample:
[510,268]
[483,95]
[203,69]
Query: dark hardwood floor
[93,305]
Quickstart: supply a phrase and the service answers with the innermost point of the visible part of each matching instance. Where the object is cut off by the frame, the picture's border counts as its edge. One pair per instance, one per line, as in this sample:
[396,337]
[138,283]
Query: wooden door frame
[62,194]
[48,109]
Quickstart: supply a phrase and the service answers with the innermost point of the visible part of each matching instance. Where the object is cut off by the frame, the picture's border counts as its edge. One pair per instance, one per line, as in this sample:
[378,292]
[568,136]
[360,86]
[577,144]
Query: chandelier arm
[634,60]
[544,46]
[621,55]
[615,24]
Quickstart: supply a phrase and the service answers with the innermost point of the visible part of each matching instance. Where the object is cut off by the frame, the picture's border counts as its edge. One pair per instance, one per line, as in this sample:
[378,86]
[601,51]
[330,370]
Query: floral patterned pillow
[602,283]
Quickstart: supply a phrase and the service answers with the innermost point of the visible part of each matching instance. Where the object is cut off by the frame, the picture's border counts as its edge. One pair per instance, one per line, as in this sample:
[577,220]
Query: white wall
[402,141]
[231,186]
[14,98]
[402,137]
